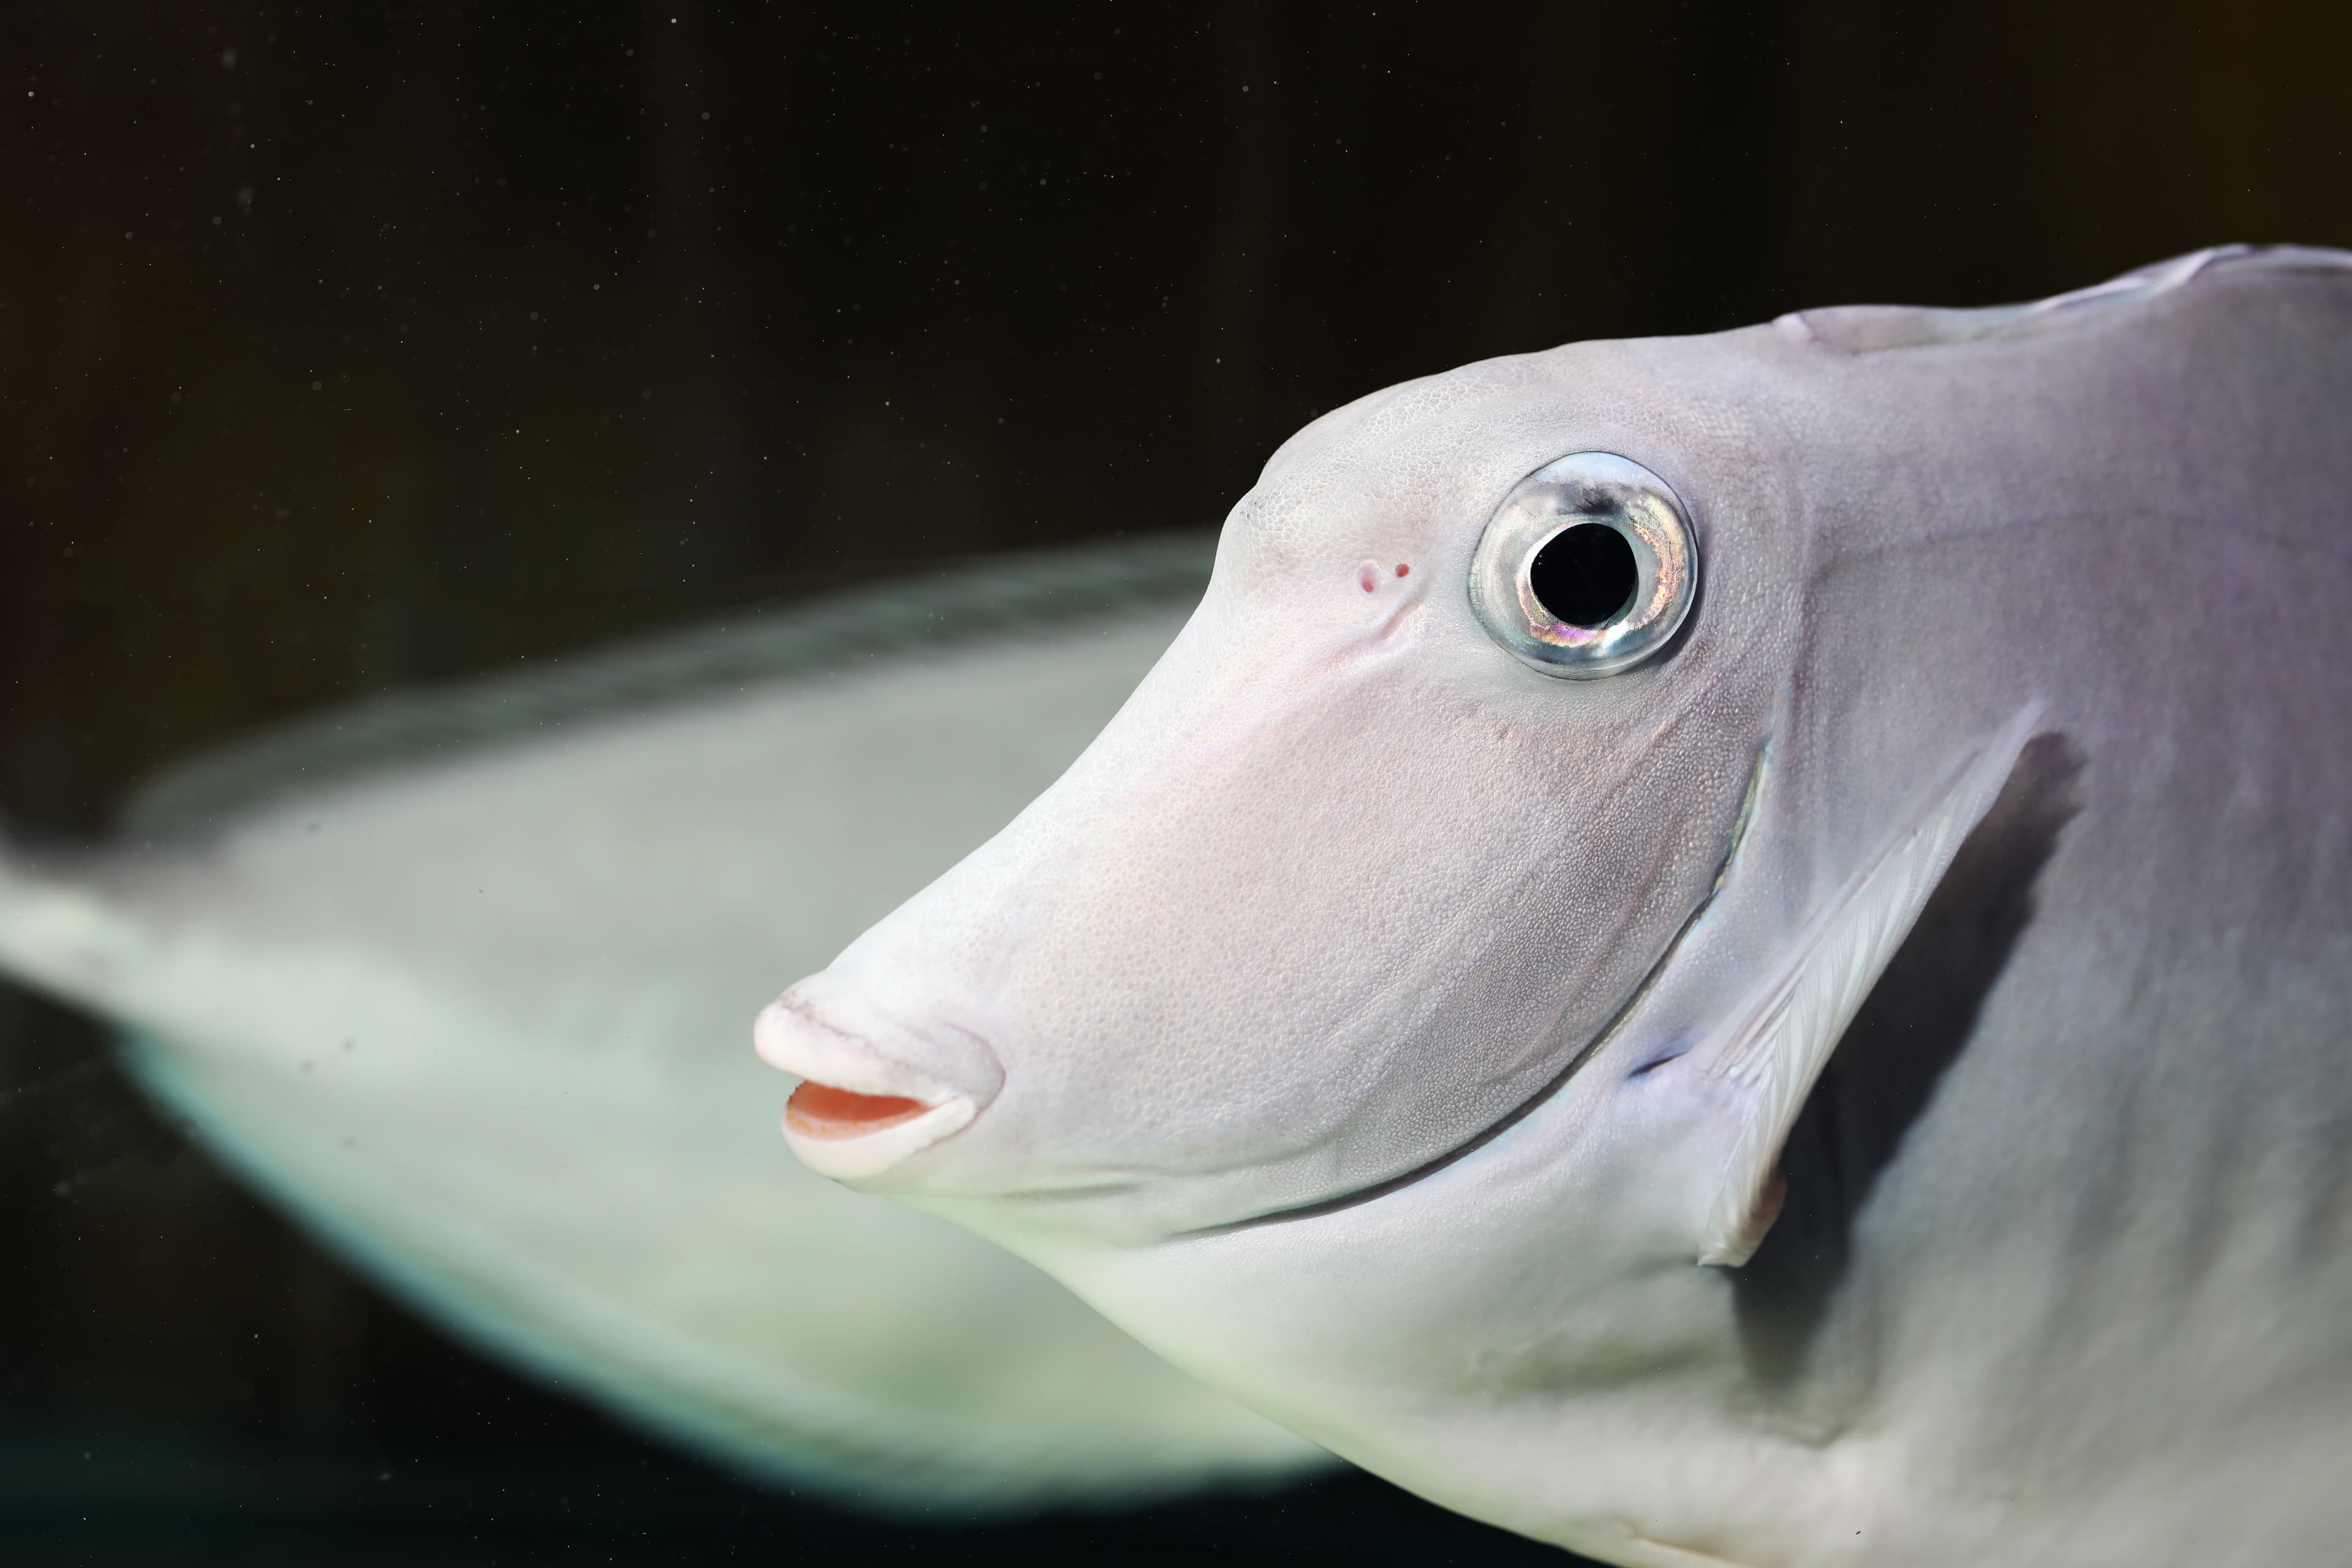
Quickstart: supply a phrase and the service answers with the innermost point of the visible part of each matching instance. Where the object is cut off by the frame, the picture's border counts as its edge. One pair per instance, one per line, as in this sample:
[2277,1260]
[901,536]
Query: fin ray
[1781,1039]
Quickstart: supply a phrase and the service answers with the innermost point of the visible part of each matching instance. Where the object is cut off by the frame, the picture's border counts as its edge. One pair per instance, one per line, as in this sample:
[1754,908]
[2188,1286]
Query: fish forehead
[1425,462]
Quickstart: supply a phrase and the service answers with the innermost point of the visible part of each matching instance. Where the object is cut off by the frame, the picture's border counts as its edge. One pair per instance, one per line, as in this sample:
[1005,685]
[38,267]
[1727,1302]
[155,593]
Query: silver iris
[1587,568]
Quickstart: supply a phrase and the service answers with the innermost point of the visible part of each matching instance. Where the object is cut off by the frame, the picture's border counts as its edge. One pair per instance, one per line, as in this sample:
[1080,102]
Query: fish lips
[873,1092]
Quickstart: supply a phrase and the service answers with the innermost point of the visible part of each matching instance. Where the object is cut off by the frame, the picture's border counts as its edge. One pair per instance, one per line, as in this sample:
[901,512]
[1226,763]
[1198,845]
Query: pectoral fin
[1780,1040]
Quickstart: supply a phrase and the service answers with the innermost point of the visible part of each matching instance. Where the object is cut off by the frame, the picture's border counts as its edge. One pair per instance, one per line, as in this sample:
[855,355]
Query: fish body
[1868,1083]
[459,979]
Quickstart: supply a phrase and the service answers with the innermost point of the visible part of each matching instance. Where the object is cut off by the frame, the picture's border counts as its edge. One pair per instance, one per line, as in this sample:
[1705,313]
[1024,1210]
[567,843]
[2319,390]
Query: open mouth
[857,1110]
[820,1110]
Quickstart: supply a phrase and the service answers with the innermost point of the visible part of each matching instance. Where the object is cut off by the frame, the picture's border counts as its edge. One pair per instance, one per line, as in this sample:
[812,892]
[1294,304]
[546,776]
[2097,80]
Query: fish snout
[873,1092]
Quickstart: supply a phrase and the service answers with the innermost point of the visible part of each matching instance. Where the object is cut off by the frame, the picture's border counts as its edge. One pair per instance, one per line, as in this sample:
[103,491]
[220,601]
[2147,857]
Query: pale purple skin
[2065,1272]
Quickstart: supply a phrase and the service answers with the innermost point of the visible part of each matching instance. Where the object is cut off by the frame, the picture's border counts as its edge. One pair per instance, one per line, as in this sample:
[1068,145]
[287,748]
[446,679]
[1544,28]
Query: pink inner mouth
[820,1110]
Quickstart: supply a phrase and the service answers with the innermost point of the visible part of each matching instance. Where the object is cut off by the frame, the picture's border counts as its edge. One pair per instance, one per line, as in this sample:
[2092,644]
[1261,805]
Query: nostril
[820,1110]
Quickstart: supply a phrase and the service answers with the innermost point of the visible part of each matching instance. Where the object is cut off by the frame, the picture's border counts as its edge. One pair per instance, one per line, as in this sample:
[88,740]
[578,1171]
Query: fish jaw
[863,1106]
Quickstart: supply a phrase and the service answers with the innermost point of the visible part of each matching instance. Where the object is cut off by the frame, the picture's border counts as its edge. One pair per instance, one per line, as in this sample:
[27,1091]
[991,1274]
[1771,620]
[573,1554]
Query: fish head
[1365,866]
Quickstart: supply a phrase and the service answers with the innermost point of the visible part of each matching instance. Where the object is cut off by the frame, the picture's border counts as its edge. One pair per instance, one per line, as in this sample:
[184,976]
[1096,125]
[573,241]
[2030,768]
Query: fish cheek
[1271,971]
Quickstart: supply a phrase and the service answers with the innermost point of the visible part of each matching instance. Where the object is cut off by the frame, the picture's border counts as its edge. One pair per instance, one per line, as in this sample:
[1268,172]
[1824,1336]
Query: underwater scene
[1278,784]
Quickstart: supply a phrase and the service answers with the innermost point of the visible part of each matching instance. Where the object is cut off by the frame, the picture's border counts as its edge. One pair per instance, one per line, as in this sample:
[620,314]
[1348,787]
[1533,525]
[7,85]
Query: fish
[456,977]
[1731,949]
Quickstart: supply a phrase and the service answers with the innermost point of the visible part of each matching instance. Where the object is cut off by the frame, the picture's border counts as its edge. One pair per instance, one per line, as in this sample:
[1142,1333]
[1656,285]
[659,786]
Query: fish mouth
[859,1109]
[820,1110]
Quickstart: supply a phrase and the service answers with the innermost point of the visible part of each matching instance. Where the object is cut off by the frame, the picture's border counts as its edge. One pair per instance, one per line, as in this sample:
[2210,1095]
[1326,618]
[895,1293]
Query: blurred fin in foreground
[464,980]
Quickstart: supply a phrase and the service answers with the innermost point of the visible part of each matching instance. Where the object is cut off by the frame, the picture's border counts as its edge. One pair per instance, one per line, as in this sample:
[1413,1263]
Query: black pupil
[1584,575]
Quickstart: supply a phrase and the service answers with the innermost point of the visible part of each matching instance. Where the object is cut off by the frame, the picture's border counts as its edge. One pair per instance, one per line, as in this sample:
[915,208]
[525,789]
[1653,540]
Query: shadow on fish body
[1917,1022]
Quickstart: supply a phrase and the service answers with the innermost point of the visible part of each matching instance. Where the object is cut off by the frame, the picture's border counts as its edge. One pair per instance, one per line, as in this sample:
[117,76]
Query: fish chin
[852,1152]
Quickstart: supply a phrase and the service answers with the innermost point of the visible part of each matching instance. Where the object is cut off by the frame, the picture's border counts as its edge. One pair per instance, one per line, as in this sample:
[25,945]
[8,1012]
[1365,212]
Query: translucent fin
[923,617]
[1781,1039]
[464,980]
[60,936]
[1872,328]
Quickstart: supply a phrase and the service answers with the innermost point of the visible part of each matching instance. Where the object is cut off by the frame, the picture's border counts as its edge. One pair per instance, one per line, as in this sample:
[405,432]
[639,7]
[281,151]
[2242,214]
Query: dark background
[344,346]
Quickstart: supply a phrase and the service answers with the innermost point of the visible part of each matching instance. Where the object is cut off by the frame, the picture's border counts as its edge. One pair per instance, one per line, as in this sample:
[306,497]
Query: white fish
[461,981]
[1420,1011]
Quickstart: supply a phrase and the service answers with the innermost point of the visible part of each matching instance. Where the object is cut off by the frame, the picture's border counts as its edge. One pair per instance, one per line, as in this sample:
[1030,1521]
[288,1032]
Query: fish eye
[1587,568]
